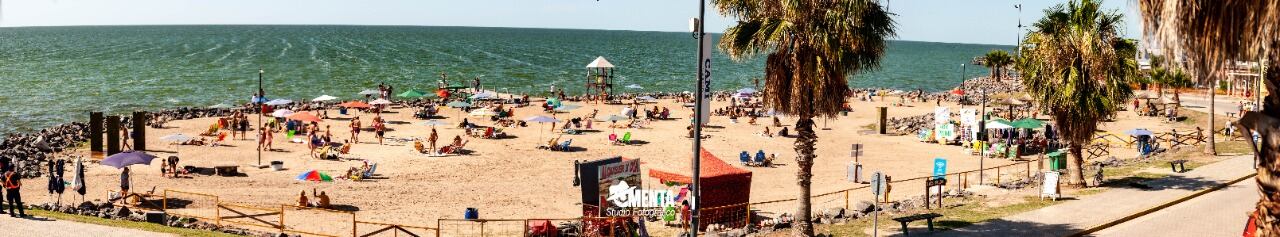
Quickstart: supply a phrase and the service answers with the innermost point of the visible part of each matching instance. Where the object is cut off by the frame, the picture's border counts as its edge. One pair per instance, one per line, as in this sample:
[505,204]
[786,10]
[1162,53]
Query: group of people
[321,200]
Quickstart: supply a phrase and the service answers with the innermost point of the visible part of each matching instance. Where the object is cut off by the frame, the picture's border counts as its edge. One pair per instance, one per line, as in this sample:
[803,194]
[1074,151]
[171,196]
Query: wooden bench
[1178,166]
[226,170]
[908,219]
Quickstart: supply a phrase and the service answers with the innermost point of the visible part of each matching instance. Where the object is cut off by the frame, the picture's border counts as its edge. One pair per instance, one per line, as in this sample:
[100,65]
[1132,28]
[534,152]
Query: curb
[1115,222]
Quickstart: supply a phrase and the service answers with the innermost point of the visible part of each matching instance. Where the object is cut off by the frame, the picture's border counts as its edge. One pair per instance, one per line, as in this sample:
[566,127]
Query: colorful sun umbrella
[324,98]
[355,104]
[282,113]
[305,117]
[380,102]
[316,176]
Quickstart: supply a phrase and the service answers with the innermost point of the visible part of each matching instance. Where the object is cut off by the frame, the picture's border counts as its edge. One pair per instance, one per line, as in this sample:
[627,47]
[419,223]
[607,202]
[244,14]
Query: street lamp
[1018,41]
[263,95]
[700,34]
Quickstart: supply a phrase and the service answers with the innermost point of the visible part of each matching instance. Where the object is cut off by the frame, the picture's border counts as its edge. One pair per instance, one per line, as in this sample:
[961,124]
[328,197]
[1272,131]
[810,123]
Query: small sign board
[877,183]
[1050,185]
[855,172]
[939,167]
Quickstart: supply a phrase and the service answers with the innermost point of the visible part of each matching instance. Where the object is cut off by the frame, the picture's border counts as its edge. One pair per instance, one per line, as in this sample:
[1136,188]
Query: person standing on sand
[379,128]
[355,129]
[124,136]
[262,139]
[475,85]
[432,139]
[124,181]
[13,188]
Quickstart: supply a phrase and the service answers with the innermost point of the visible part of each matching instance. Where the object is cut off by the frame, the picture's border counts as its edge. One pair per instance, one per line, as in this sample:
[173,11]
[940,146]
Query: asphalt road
[1220,213]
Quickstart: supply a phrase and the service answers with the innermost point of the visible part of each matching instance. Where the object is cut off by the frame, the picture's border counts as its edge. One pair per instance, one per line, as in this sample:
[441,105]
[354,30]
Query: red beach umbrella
[305,117]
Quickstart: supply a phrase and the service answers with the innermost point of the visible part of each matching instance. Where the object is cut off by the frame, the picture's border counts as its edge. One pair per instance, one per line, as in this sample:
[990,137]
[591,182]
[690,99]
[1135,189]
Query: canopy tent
[600,62]
[722,185]
[1027,123]
[998,124]
[411,93]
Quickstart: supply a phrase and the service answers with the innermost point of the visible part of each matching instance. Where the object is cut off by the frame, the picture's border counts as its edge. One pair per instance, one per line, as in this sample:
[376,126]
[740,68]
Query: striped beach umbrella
[316,176]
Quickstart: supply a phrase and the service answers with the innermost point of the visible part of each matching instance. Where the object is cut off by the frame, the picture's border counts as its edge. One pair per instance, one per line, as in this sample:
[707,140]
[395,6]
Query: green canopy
[412,94]
[1028,123]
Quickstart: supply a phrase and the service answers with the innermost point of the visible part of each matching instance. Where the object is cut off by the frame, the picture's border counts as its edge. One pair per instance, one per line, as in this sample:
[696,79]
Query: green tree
[812,48]
[1212,33]
[1079,69]
[997,60]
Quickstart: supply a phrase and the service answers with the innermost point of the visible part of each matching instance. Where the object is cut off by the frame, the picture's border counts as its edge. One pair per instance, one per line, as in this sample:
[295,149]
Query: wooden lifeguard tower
[600,78]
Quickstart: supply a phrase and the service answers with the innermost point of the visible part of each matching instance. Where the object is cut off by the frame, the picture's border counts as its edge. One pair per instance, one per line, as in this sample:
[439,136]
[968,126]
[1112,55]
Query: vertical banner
[706,80]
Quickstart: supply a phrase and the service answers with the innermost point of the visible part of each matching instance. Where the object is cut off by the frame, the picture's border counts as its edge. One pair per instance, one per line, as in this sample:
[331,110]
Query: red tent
[722,185]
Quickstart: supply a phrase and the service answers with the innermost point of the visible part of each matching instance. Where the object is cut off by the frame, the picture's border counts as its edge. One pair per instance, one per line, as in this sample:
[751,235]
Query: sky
[953,21]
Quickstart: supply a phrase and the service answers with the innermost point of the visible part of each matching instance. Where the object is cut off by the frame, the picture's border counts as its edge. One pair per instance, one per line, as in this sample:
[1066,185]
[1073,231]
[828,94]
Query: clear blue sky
[958,21]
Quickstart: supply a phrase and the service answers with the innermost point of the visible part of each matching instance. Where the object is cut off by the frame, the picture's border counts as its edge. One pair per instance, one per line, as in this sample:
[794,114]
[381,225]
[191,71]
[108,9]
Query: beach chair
[213,130]
[221,137]
[369,173]
[760,159]
[626,138]
[613,138]
[745,158]
[564,146]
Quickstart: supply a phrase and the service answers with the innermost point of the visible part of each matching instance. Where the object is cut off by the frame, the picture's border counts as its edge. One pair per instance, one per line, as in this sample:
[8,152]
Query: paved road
[1220,213]
[40,226]
[1200,103]
[1072,216]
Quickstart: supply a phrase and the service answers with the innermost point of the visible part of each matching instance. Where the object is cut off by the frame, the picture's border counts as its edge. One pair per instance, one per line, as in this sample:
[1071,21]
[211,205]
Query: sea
[53,75]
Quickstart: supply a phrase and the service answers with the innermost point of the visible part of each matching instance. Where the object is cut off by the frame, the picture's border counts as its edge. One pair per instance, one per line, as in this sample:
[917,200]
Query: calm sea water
[51,75]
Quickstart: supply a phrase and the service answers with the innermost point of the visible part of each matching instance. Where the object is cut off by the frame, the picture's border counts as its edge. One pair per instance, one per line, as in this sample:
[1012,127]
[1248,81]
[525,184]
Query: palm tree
[997,60]
[1213,33]
[812,48]
[1079,69]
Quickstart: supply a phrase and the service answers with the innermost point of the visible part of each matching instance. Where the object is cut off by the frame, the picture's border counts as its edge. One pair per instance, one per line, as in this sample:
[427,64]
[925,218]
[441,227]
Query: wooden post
[217,211]
[140,130]
[164,204]
[846,208]
[95,131]
[846,202]
[282,218]
[1028,163]
[888,186]
[884,119]
[997,175]
[113,135]
[353,224]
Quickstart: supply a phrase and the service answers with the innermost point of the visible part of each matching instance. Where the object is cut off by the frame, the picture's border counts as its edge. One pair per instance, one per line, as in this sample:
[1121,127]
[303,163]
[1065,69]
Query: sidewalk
[43,226]
[1070,217]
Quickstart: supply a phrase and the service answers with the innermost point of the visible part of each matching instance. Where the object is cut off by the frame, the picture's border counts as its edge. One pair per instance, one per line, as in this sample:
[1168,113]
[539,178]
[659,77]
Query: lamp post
[703,63]
[1018,41]
[263,95]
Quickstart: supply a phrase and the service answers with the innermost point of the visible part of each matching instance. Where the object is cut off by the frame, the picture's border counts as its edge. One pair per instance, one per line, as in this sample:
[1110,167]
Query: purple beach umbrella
[120,160]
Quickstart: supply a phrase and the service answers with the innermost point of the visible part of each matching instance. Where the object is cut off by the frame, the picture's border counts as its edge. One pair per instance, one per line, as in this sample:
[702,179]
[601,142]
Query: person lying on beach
[776,122]
[766,132]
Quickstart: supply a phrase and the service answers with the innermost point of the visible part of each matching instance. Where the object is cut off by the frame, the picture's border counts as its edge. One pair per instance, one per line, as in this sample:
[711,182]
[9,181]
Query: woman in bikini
[355,129]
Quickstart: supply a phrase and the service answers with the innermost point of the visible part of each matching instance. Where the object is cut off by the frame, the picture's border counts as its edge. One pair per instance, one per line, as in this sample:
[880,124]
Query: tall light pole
[704,64]
[263,96]
[1018,42]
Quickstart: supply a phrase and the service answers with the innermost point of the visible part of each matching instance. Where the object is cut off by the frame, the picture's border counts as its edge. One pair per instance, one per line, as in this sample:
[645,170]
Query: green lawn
[962,212]
[128,224]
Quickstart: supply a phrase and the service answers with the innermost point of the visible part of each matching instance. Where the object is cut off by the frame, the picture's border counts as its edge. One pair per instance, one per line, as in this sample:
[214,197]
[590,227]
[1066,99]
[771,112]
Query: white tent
[600,63]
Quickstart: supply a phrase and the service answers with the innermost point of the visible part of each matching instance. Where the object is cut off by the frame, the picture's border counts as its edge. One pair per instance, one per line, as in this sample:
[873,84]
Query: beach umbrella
[647,98]
[442,93]
[176,137]
[541,119]
[220,106]
[314,175]
[324,98]
[354,104]
[998,124]
[484,95]
[634,86]
[567,107]
[411,93]
[1139,132]
[282,113]
[747,90]
[77,182]
[434,122]
[614,119]
[380,102]
[1028,123]
[279,102]
[305,117]
[957,91]
[370,92]
[120,160]
[458,104]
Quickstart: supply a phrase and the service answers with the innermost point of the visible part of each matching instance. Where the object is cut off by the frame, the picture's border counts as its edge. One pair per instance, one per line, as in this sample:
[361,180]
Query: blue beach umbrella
[120,160]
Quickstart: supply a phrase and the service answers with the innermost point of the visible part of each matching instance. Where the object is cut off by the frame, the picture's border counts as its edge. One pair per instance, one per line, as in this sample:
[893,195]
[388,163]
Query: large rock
[864,207]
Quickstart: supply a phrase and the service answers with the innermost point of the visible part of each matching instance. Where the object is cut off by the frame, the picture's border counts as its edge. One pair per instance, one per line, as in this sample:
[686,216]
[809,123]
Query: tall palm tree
[1078,67]
[997,60]
[812,47]
[1212,33]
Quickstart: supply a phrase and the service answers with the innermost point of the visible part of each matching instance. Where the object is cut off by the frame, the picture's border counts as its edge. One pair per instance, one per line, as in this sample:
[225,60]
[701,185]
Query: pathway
[42,226]
[1220,213]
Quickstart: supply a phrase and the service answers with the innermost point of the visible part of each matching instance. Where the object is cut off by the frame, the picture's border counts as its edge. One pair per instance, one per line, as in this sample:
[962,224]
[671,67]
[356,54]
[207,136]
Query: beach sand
[511,179]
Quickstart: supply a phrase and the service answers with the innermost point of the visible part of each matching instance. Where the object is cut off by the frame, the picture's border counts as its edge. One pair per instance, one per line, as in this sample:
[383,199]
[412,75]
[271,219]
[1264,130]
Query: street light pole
[1018,41]
[263,95]
[697,118]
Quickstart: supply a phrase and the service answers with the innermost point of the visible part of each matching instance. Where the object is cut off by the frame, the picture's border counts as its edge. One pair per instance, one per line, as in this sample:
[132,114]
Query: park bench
[1178,166]
[908,219]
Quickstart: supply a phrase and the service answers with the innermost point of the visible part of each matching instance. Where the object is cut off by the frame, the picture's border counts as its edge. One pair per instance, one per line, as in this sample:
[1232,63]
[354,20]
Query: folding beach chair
[626,138]
[745,158]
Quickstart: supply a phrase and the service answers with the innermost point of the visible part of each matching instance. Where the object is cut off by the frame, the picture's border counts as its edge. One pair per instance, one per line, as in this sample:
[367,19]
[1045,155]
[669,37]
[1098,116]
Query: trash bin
[1057,160]
[277,165]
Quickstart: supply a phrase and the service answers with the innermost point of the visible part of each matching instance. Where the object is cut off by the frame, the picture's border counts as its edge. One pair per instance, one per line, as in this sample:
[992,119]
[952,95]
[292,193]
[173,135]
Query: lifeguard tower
[600,78]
